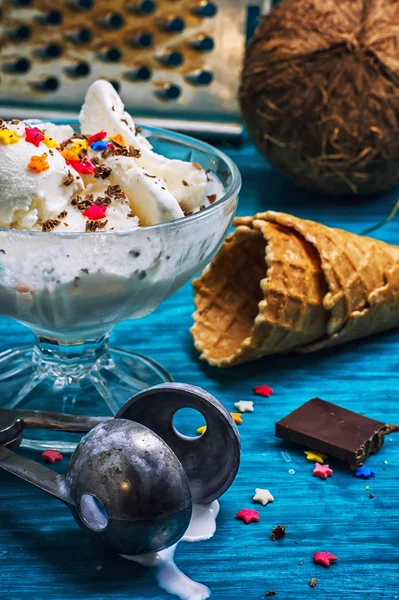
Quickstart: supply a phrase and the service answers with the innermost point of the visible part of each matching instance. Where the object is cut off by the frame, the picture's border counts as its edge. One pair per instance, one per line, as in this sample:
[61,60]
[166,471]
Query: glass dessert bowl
[70,289]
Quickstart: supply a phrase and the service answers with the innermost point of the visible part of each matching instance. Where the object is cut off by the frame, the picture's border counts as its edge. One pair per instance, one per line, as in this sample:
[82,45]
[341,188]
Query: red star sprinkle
[97,137]
[34,136]
[324,558]
[85,167]
[51,456]
[322,471]
[248,515]
[263,390]
[371,496]
[95,213]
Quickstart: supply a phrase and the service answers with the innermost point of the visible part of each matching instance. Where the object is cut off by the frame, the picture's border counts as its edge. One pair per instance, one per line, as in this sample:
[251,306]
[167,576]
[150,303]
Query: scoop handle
[35,474]
[40,419]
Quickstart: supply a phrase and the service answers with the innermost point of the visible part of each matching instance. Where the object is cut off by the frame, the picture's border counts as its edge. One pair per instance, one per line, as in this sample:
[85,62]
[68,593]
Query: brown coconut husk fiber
[320,93]
[282,284]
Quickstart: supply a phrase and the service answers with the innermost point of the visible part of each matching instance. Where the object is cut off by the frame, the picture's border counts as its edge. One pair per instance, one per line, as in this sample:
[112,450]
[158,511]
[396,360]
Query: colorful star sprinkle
[34,136]
[70,156]
[201,430]
[244,406]
[263,390]
[364,472]
[38,163]
[237,418]
[51,456]
[96,137]
[8,136]
[95,213]
[248,515]
[263,496]
[322,471]
[118,139]
[98,146]
[324,558]
[315,456]
[50,143]
[84,167]
[78,145]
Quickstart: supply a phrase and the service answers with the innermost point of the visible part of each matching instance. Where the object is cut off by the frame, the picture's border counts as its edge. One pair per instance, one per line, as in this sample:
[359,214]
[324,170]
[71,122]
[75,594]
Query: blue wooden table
[43,556]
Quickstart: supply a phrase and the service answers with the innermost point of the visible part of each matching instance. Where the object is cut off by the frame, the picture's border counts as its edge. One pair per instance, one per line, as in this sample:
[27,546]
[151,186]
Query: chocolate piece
[333,430]
[278,532]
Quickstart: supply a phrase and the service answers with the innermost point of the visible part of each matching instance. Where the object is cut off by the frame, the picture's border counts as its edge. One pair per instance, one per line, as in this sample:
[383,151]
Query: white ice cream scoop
[103,110]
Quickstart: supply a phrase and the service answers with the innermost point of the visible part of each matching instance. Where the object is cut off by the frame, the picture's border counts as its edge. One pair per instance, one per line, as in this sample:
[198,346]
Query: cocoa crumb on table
[270,593]
[313,582]
[278,532]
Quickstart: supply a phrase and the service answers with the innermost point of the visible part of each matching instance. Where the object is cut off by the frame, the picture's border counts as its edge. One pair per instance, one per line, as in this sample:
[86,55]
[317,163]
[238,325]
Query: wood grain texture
[44,556]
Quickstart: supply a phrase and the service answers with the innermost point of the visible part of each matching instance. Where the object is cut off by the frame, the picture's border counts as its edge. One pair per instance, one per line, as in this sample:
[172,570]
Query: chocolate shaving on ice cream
[50,224]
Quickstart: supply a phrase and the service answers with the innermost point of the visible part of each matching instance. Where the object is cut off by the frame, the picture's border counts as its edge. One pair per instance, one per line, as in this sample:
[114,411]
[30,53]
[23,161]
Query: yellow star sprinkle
[315,456]
[201,430]
[118,139]
[69,155]
[8,136]
[237,418]
[367,487]
[78,146]
[39,163]
[50,143]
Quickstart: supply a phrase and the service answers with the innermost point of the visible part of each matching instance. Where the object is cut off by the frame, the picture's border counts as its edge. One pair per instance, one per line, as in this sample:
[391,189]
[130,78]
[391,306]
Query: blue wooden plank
[44,556]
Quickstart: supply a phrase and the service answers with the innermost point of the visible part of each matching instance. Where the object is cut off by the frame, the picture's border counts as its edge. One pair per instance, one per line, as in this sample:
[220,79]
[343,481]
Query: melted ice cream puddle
[170,578]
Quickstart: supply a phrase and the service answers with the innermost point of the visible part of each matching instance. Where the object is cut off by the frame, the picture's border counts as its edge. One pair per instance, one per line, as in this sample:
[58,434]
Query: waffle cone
[282,284]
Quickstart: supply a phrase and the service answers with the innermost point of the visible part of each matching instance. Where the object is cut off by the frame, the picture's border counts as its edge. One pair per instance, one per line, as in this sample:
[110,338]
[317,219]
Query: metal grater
[176,63]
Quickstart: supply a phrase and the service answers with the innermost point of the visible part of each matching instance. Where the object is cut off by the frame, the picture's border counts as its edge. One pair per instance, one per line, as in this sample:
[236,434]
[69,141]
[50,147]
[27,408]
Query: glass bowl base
[98,389]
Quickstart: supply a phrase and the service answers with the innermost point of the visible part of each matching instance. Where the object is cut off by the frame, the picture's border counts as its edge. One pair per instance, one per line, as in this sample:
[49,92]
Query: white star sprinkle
[263,496]
[244,406]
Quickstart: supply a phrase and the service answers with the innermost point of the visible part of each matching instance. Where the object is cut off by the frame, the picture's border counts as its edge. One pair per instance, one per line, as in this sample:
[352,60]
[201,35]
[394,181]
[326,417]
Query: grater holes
[168,92]
[19,2]
[81,4]
[141,39]
[142,73]
[80,69]
[20,32]
[18,66]
[142,7]
[172,24]
[203,43]
[113,54]
[112,21]
[48,84]
[51,51]
[52,18]
[79,36]
[205,9]
[200,77]
[171,58]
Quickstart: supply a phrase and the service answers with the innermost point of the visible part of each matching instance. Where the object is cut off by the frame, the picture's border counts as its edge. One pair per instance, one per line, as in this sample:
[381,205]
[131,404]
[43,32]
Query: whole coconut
[320,93]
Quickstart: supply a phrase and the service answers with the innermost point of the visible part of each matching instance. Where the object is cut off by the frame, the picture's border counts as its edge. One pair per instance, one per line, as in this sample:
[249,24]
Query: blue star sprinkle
[98,146]
[364,472]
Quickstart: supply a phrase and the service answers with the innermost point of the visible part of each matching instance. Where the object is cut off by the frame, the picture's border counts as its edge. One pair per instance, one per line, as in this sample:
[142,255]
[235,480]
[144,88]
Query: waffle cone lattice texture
[282,284]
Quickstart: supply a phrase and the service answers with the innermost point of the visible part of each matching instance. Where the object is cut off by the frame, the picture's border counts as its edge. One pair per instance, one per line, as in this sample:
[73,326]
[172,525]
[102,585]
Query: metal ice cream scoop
[132,479]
